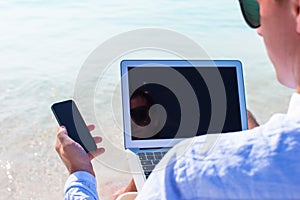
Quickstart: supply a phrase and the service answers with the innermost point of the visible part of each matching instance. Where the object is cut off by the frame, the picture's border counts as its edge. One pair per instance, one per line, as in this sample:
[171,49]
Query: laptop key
[142,156]
[148,167]
[155,162]
[147,173]
[150,157]
[146,162]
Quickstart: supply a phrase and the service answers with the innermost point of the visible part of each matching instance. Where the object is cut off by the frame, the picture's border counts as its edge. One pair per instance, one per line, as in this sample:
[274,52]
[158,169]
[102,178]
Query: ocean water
[43,47]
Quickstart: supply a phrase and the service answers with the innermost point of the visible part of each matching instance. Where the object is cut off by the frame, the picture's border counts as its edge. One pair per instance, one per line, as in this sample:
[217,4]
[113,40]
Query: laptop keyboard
[149,160]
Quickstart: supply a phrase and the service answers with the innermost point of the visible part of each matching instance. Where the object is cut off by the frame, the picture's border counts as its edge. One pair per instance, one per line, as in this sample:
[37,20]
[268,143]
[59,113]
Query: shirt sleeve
[81,185]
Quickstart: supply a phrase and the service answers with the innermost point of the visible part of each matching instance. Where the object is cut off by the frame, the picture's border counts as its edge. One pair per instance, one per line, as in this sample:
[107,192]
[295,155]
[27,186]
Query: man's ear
[297,15]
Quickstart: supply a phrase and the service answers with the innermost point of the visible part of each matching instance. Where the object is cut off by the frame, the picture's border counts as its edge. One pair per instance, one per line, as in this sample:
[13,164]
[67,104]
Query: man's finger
[96,153]
[62,135]
[97,139]
[62,131]
[91,127]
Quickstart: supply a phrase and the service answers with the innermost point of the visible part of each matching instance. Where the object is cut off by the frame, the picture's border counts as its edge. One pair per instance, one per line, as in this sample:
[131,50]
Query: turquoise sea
[43,45]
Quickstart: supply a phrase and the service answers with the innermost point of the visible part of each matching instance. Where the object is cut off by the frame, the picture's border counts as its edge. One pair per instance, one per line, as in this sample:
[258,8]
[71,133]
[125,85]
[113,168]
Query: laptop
[166,101]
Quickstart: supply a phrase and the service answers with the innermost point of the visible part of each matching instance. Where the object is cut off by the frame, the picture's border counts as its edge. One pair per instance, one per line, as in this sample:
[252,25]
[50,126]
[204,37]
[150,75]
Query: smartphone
[68,115]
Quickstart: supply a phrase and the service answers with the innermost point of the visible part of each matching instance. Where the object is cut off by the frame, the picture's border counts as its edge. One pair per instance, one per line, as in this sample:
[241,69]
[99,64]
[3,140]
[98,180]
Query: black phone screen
[68,115]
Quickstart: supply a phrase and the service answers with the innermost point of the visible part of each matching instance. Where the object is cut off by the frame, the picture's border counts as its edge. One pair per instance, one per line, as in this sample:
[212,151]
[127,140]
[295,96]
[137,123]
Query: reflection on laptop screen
[147,101]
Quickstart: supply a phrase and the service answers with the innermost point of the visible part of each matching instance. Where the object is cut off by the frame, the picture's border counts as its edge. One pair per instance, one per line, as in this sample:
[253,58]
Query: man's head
[279,25]
[140,103]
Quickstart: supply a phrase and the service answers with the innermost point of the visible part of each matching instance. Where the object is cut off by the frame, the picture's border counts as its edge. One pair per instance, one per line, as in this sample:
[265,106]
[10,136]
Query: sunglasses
[250,10]
[140,115]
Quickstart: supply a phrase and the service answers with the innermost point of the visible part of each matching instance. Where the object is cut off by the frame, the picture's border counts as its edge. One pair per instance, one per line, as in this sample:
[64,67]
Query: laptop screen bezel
[154,143]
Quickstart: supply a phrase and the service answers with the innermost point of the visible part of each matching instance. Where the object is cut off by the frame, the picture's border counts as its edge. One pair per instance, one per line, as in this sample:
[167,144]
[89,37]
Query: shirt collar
[294,107]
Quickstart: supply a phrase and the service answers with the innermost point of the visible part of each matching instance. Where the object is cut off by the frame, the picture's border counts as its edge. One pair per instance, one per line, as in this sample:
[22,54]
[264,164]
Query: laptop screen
[155,103]
[149,94]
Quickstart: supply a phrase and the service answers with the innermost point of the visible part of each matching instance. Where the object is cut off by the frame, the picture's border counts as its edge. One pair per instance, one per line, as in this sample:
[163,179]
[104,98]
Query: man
[262,163]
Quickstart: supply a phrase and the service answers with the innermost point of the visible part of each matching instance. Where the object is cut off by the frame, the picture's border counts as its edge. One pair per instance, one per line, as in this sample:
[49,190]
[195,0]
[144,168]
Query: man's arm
[252,123]
[81,185]
[82,182]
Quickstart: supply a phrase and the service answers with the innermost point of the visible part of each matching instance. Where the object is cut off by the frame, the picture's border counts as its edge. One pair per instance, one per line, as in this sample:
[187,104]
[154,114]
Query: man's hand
[252,123]
[73,155]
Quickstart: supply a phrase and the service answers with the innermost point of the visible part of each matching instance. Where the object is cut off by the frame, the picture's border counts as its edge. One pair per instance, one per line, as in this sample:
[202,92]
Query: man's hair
[143,94]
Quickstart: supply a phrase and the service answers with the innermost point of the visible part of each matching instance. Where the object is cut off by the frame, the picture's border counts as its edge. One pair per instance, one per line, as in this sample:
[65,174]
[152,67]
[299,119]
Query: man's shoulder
[251,150]
[265,158]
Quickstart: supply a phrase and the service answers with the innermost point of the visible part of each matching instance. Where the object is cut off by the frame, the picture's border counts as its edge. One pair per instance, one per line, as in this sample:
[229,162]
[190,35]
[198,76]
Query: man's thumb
[62,131]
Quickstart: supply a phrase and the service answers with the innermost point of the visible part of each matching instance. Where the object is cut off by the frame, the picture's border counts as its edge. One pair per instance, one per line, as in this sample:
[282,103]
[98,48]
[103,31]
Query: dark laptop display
[152,93]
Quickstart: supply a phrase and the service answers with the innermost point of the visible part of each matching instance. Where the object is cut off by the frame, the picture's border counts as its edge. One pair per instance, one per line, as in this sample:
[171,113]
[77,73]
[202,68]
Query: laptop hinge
[151,148]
